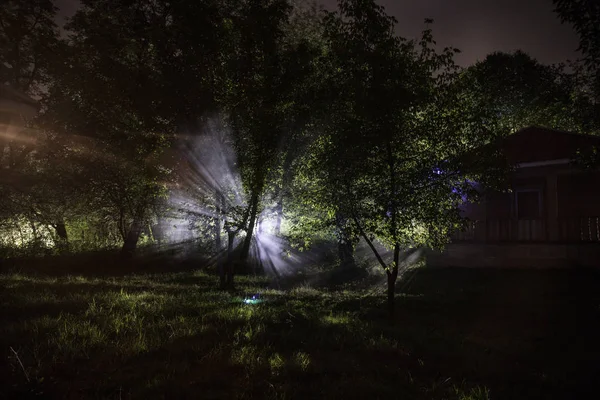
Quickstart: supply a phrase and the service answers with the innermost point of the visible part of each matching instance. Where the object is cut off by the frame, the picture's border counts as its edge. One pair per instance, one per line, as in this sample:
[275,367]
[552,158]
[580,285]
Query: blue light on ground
[253,300]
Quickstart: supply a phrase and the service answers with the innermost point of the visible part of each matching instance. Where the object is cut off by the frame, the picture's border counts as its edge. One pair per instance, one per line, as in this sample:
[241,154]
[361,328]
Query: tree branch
[32,75]
[369,242]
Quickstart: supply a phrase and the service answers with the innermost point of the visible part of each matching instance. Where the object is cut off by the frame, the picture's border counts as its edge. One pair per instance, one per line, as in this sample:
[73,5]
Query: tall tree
[28,40]
[29,49]
[28,44]
[522,92]
[391,158]
[584,15]
[266,72]
[109,90]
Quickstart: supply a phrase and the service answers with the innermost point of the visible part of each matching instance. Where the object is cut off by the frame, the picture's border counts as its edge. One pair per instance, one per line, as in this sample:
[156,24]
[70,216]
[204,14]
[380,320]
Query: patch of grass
[302,360]
[474,393]
[501,334]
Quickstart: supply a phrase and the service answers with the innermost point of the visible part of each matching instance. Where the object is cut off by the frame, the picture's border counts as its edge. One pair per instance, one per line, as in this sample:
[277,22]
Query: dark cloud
[476,27]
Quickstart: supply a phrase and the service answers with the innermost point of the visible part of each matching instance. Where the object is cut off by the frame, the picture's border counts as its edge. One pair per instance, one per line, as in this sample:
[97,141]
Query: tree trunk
[122,225]
[392,276]
[370,243]
[345,243]
[251,222]
[217,232]
[391,288]
[392,273]
[346,254]
[61,231]
[218,220]
[34,232]
[226,268]
[229,268]
[131,240]
[279,217]
[151,233]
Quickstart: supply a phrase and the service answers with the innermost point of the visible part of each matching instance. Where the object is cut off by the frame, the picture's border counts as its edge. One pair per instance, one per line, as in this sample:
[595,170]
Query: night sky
[476,27]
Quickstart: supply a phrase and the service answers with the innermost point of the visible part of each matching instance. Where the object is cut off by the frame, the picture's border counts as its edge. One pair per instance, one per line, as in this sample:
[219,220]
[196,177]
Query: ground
[121,333]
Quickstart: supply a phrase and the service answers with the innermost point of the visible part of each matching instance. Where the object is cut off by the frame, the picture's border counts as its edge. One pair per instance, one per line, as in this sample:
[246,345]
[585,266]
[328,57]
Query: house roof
[535,144]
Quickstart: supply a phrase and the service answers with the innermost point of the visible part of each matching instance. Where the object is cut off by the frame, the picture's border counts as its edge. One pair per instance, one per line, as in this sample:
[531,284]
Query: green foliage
[395,117]
[329,118]
[28,43]
[584,15]
[105,110]
[520,92]
[588,158]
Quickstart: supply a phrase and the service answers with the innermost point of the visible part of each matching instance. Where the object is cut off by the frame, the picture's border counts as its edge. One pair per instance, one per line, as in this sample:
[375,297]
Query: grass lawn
[457,334]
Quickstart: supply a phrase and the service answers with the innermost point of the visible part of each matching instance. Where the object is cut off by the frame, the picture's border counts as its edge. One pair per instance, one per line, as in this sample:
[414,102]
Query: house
[549,216]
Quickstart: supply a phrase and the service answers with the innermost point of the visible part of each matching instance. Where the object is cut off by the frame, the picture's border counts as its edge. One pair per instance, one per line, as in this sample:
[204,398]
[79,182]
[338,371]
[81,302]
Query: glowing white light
[253,300]
[211,188]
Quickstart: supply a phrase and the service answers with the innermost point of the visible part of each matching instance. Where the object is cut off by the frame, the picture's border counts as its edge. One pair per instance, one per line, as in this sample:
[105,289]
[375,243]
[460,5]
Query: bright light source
[253,300]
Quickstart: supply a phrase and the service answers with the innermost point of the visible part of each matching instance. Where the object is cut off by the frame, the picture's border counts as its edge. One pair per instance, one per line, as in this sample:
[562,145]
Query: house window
[528,204]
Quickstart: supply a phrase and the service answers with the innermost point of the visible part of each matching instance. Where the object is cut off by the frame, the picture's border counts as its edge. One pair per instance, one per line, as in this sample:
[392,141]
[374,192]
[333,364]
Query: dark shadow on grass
[104,264]
[522,334]
[11,313]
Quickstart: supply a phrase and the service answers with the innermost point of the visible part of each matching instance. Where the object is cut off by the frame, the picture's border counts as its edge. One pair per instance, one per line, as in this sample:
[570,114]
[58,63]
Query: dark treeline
[155,122]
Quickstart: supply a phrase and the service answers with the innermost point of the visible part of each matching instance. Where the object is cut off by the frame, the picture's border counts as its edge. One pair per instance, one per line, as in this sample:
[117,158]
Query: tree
[263,94]
[208,192]
[585,17]
[392,155]
[109,89]
[522,92]
[28,40]
[29,46]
